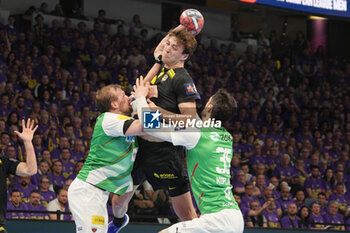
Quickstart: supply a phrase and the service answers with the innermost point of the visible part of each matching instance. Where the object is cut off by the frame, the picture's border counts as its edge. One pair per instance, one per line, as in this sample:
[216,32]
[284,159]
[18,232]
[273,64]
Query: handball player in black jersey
[161,163]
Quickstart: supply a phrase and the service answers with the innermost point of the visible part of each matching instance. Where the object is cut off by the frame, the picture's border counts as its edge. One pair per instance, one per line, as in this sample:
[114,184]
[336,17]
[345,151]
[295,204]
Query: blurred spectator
[321,198]
[34,205]
[272,218]
[340,198]
[249,195]
[240,182]
[304,214]
[56,176]
[77,153]
[329,181]
[316,219]
[58,11]
[59,204]
[63,142]
[136,21]
[257,220]
[300,198]
[78,166]
[43,169]
[314,184]
[46,195]
[291,219]
[24,187]
[67,165]
[285,171]
[334,217]
[16,203]
[10,152]
[11,30]
[286,198]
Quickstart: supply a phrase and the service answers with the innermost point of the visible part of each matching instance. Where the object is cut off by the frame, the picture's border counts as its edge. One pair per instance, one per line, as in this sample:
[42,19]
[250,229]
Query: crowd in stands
[291,134]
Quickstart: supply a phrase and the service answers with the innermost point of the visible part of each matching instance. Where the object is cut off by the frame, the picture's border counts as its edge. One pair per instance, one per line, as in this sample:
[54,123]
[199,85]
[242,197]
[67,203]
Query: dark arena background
[286,62]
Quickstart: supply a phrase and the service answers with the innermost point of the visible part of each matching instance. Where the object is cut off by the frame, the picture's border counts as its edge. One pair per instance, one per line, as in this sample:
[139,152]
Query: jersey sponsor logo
[190,89]
[98,220]
[165,77]
[172,188]
[151,119]
[165,176]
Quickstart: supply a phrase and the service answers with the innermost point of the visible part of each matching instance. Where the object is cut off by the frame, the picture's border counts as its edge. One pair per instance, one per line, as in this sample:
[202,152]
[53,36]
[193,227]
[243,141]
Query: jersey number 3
[225,159]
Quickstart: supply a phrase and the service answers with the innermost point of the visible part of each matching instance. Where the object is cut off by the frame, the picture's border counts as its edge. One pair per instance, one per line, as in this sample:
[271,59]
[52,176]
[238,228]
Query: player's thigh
[88,206]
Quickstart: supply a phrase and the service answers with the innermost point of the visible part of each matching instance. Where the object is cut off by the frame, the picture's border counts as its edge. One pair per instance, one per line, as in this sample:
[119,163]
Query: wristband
[159,60]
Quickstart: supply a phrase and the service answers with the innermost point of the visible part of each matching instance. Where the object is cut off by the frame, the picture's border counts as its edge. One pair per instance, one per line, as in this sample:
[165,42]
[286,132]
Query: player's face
[123,102]
[173,52]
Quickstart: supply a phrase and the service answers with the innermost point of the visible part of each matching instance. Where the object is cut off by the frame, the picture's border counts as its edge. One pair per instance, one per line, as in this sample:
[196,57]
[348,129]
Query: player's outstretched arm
[29,167]
[188,137]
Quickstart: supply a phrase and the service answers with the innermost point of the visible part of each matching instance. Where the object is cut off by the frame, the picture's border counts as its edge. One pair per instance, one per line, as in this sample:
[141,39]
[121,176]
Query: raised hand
[140,88]
[28,130]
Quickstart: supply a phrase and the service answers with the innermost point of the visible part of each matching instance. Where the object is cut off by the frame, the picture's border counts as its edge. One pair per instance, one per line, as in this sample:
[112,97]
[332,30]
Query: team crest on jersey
[93,229]
[190,89]
[165,77]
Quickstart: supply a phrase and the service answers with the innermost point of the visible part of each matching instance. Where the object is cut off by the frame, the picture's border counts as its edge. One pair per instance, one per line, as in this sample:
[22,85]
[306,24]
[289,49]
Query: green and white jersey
[111,157]
[208,164]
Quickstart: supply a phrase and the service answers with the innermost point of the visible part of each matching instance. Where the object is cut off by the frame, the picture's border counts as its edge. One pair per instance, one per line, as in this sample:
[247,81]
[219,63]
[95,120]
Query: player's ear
[114,104]
[210,108]
[185,56]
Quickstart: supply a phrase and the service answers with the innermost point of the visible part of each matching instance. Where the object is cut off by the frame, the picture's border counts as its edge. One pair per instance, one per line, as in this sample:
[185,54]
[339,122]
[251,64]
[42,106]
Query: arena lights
[339,8]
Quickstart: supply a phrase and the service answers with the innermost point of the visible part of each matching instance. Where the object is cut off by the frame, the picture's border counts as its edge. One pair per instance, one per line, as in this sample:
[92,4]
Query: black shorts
[161,164]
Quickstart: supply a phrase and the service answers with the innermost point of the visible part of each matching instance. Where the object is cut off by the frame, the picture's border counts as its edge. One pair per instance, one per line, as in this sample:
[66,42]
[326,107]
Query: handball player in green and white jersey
[208,162]
[110,161]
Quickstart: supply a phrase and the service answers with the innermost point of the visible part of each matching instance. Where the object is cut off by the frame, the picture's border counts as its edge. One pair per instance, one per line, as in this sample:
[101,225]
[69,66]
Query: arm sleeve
[113,124]
[187,137]
[185,89]
[127,124]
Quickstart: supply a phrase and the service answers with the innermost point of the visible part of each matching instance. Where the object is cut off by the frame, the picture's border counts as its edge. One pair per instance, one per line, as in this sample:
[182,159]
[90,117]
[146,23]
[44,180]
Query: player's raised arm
[141,89]
[29,167]
[187,137]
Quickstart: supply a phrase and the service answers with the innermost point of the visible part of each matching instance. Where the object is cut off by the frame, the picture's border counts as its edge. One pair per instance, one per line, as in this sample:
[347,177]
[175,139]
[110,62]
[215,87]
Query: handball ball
[193,20]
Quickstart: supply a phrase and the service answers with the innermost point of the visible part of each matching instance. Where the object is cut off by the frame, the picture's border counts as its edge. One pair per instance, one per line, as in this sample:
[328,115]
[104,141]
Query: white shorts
[224,221]
[88,206]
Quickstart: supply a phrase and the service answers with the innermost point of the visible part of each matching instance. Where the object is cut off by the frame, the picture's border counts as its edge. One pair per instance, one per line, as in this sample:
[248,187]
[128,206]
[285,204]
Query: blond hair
[105,96]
